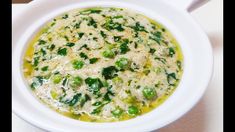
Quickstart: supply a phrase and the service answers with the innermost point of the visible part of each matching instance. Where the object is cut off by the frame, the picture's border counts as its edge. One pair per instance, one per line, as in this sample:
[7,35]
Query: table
[207,115]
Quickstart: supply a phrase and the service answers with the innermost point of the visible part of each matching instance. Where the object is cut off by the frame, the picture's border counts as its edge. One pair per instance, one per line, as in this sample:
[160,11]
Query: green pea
[122,63]
[75,81]
[149,93]
[108,54]
[77,64]
[117,112]
[57,78]
[133,110]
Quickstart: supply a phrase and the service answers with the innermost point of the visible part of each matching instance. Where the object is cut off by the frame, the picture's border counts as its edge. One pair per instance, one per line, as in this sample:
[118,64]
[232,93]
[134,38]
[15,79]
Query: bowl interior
[193,42]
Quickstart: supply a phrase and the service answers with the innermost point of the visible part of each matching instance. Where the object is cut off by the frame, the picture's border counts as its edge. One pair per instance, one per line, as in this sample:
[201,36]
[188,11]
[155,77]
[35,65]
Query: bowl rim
[23,116]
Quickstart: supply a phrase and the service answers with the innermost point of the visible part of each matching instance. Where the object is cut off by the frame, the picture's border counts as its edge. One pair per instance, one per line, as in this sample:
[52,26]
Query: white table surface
[207,115]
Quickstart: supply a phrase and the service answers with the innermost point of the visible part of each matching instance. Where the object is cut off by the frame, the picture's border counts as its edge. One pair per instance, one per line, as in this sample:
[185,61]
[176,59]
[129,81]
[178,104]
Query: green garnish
[93,60]
[109,72]
[157,36]
[62,51]
[70,44]
[94,84]
[37,81]
[80,35]
[123,47]
[45,68]
[171,52]
[83,55]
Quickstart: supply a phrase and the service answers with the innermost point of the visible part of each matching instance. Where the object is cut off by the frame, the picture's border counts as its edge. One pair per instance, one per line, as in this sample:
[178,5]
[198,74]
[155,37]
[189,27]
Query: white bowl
[196,48]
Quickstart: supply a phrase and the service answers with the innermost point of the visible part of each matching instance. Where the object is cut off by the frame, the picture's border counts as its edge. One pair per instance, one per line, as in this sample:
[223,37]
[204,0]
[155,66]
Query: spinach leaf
[103,34]
[97,103]
[80,35]
[51,47]
[109,72]
[117,38]
[70,44]
[83,55]
[171,52]
[138,27]
[77,25]
[65,16]
[36,61]
[124,47]
[110,25]
[62,51]
[94,85]
[75,99]
[84,99]
[152,50]
[157,36]
[93,60]
[37,81]
[45,68]
[92,22]
[171,78]
[108,94]
[179,64]
[90,11]
[84,46]
[41,42]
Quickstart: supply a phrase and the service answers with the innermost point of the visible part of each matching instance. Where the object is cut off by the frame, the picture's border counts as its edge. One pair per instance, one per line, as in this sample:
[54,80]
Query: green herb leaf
[90,11]
[36,61]
[37,81]
[109,72]
[94,84]
[45,68]
[83,55]
[117,38]
[70,44]
[138,27]
[152,51]
[171,52]
[41,42]
[110,25]
[103,34]
[92,22]
[80,35]
[65,16]
[75,99]
[123,47]
[62,51]
[93,60]
[157,36]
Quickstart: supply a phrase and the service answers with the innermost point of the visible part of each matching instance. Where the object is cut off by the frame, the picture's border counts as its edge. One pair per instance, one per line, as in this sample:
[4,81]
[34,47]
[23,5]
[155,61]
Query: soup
[102,64]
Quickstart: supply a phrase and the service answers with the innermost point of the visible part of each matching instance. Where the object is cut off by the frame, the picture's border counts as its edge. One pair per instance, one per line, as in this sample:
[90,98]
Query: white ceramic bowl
[196,48]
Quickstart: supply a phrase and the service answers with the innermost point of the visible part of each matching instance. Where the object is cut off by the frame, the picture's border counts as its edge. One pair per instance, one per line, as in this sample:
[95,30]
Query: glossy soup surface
[102,64]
